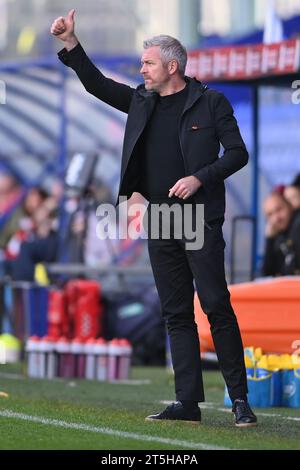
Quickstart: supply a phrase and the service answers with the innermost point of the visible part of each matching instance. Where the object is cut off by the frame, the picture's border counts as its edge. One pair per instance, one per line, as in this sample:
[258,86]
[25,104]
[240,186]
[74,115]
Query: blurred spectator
[11,196]
[106,251]
[33,200]
[131,250]
[37,239]
[279,189]
[25,224]
[282,252]
[77,241]
[35,210]
[96,251]
[292,193]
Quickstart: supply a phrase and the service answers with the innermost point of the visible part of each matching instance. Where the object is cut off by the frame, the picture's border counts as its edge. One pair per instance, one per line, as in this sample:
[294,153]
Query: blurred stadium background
[47,117]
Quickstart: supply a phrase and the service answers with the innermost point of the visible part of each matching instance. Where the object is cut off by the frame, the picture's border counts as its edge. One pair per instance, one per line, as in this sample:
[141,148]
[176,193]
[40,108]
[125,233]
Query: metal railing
[234,232]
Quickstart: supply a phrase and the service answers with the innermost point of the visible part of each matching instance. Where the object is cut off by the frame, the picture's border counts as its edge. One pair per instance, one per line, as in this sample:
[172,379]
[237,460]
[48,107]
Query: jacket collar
[195,91]
[141,91]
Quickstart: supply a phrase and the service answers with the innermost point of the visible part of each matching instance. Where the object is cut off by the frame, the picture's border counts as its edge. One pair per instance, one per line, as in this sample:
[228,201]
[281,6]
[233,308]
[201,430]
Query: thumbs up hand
[63,28]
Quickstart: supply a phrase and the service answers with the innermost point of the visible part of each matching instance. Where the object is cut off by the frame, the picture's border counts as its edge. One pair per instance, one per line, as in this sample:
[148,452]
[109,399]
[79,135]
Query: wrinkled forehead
[153,53]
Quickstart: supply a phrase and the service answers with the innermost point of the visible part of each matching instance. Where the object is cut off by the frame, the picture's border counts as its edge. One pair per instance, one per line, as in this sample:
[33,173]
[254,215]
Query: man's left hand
[185,187]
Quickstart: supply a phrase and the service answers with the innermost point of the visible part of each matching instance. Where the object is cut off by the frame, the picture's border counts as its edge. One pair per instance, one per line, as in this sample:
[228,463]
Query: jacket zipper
[185,164]
[180,143]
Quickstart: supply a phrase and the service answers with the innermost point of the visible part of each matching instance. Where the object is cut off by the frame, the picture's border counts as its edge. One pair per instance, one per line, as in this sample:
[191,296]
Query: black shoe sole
[245,425]
[194,423]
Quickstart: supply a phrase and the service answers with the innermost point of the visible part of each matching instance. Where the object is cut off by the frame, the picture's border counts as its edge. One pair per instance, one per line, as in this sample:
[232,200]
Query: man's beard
[151,87]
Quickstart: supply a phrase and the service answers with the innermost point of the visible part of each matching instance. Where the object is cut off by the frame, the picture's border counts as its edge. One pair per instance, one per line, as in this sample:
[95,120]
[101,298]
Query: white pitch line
[212,406]
[4,375]
[131,382]
[110,432]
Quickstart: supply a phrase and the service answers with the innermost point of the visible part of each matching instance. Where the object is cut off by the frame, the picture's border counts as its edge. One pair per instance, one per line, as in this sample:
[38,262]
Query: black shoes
[244,416]
[177,412]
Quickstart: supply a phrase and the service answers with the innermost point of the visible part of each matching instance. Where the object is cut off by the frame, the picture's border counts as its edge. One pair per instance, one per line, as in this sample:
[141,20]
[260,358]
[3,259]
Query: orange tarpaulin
[268,313]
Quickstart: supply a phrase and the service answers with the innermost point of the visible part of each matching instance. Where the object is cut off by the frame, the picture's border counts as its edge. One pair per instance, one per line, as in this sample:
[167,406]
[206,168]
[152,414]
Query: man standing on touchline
[170,154]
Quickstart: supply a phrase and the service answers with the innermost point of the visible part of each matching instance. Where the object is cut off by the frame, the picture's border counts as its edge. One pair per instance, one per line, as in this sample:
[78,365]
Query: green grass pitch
[83,415]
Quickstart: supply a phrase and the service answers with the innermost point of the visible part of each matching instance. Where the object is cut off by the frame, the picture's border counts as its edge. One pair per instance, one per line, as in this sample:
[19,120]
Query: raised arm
[111,92]
[64,29]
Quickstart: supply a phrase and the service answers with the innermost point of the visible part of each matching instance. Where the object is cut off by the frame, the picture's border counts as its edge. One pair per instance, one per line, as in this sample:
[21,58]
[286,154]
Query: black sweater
[162,161]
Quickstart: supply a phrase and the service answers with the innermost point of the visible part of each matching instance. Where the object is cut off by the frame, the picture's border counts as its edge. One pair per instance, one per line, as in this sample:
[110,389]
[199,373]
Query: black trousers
[175,269]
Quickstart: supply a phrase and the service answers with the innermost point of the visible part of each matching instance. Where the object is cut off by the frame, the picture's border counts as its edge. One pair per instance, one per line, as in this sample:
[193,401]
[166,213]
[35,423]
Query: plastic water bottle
[263,384]
[32,356]
[51,358]
[125,359]
[249,364]
[101,352]
[65,358]
[90,359]
[77,350]
[114,353]
[42,361]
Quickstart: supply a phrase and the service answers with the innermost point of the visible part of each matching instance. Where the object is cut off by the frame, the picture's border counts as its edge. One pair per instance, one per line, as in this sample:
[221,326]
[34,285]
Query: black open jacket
[206,121]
